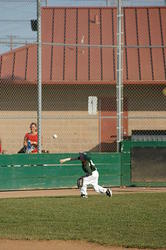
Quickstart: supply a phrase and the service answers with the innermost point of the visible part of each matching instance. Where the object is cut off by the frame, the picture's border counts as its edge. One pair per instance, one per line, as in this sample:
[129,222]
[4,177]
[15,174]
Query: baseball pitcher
[91,177]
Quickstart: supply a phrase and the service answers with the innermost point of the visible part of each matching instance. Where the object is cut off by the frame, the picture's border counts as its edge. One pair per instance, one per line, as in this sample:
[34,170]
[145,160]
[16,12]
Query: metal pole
[119,86]
[39,72]
[11,42]
[100,146]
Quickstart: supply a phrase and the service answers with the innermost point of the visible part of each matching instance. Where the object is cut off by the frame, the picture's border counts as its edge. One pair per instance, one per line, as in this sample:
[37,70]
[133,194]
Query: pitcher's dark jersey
[88,165]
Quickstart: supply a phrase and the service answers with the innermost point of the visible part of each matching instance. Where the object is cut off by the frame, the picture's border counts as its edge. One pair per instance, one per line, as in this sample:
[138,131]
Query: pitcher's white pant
[92,180]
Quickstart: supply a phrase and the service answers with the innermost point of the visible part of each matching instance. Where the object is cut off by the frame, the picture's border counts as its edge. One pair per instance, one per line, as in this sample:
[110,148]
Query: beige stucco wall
[146,120]
[65,112]
[76,131]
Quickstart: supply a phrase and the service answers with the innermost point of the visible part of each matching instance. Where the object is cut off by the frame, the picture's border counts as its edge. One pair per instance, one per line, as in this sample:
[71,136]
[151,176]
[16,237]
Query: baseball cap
[83,155]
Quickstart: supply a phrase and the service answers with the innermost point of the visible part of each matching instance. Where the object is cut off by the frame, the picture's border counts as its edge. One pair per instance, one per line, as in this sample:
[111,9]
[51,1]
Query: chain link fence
[18,99]
[79,74]
[145,70]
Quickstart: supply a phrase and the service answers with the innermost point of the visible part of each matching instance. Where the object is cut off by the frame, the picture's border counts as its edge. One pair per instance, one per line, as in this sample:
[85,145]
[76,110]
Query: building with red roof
[70,74]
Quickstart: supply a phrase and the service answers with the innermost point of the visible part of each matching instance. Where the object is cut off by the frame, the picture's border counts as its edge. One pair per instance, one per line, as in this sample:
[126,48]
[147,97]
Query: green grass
[129,220]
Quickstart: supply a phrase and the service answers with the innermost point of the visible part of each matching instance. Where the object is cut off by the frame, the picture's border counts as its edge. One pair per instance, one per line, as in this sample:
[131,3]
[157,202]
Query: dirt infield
[58,244]
[54,245]
[68,192]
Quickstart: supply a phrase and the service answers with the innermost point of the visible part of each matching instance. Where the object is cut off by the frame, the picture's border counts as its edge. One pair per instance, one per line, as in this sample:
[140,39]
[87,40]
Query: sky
[15,16]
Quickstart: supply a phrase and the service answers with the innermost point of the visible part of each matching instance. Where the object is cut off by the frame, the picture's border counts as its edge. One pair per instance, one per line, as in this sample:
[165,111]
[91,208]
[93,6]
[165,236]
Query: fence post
[119,85]
[39,73]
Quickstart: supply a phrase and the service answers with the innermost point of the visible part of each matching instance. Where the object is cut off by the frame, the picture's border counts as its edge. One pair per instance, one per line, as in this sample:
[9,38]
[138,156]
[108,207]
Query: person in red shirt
[31,139]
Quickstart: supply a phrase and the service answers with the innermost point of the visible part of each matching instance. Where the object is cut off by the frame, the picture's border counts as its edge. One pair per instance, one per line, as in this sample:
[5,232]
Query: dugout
[140,163]
[143,158]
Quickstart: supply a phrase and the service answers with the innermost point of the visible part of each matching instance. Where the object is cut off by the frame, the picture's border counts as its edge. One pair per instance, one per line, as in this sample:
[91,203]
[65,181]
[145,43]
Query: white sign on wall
[92,105]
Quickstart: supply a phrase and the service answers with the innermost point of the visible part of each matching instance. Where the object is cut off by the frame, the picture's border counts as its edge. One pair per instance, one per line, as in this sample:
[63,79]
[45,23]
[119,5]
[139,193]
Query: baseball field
[128,220]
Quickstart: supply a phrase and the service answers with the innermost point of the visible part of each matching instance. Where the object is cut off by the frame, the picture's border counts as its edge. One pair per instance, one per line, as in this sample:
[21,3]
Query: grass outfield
[129,220]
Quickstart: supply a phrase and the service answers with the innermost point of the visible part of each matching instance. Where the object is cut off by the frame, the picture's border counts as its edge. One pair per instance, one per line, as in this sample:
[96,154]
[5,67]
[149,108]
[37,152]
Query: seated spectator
[30,140]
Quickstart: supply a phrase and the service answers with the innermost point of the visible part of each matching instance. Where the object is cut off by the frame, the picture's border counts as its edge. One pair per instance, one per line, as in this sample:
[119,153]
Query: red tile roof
[94,26]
